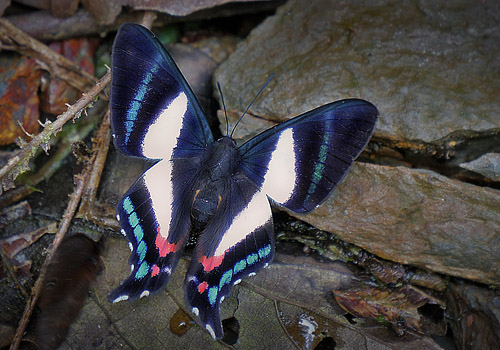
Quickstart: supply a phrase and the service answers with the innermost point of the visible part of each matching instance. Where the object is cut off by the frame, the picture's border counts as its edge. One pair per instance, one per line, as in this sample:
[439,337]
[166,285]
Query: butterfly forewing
[153,110]
[298,163]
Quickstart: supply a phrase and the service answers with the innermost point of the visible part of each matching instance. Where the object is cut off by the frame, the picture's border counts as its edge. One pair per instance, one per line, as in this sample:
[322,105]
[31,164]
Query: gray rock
[417,217]
[431,68]
[487,165]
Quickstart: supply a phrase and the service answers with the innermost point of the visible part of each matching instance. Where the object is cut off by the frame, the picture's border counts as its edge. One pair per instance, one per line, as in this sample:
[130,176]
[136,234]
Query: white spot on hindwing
[195,311]
[251,274]
[281,175]
[238,281]
[120,298]
[210,330]
[130,246]
[161,136]
[144,294]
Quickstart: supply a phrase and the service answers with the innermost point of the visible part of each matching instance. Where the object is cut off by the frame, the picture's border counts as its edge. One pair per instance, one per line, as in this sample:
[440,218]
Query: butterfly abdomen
[212,180]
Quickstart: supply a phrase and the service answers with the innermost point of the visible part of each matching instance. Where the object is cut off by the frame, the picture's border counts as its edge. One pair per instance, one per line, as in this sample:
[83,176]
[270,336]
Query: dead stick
[102,140]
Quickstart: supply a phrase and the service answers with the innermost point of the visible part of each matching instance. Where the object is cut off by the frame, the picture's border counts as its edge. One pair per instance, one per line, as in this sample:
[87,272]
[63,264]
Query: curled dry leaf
[401,307]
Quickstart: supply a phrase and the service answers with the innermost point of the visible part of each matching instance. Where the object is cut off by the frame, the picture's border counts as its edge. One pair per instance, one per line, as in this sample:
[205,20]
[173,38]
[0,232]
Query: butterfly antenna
[224,105]
[251,103]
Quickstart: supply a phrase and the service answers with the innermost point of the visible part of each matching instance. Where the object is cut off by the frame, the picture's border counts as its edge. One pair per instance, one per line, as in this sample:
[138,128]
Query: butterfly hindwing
[153,110]
[235,244]
[155,233]
[299,162]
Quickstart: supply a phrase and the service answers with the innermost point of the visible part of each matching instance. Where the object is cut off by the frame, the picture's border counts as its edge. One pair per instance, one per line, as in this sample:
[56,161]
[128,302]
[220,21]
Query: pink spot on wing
[202,287]
[164,246]
[212,262]
[155,270]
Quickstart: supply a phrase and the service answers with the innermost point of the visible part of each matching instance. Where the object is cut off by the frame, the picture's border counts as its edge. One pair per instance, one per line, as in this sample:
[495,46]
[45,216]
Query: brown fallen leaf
[14,244]
[57,93]
[20,78]
[399,307]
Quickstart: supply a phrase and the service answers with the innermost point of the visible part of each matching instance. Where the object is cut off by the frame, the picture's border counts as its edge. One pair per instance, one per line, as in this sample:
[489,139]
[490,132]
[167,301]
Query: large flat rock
[417,217]
[431,67]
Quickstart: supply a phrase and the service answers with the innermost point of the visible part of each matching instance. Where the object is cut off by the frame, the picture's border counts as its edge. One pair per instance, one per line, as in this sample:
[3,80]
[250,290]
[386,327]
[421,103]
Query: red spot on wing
[155,270]
[212,262]
[164,246]
[202,287]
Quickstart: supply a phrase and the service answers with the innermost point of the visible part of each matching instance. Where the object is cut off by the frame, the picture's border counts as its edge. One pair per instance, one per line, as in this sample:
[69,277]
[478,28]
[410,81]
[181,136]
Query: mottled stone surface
[487,165]
[417,217]
[431,67]
[433,70]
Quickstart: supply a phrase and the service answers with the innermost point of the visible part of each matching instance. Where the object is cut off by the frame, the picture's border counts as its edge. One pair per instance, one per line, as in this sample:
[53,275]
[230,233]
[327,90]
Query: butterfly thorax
[212,180]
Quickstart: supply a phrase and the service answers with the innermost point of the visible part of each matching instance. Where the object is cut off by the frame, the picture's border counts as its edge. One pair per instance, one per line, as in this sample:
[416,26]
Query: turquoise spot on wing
[138,233]
[263,252]
[212,295]
[252,258]
[127,205]
[133,220]
[225,279]
[240,266]
[135,105]
[141,250]
[319,167]
[142,271]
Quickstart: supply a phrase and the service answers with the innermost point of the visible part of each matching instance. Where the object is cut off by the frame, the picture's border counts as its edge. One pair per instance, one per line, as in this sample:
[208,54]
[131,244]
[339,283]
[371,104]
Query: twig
[148,19]
[19,162]
[80,181]
[102,140]
[58,65]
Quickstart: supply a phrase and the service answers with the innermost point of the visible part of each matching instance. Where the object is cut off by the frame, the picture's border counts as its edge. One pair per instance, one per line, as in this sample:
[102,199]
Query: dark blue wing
[236,243]
[155,115]
[154,216]
[153,110]
[299,162]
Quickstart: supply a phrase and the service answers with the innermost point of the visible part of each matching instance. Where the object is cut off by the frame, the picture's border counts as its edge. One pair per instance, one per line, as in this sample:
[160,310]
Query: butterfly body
[217,167]
[213,187]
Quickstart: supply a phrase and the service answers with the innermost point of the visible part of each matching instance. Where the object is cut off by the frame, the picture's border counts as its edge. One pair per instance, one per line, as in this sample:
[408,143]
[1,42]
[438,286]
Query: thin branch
[102,140]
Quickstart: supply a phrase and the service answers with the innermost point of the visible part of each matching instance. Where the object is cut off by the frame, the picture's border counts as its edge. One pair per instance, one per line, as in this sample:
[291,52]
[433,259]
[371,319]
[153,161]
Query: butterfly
[213,187]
